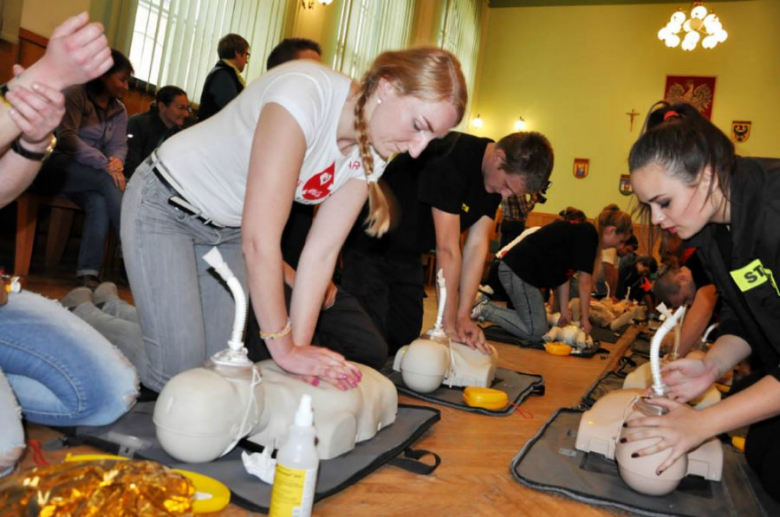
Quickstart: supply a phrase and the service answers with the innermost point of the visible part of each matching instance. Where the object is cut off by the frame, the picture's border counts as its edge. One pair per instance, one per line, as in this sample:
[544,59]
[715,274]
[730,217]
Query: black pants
[391,291]
[344,328]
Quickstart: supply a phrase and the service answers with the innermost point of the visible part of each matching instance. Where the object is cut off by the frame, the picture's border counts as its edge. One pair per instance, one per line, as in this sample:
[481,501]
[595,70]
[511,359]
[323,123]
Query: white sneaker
[476,310]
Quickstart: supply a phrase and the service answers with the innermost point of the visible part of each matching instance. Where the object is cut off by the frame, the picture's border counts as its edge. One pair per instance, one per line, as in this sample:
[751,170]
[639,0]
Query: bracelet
[276,335]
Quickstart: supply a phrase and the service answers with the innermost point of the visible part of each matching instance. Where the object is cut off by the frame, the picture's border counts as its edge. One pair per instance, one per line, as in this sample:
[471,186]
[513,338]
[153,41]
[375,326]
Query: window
[369,27]
[175,41]
[460,34]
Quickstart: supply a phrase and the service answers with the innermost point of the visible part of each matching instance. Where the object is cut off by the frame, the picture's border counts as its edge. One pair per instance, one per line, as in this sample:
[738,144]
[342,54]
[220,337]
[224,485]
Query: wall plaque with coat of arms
[740,130]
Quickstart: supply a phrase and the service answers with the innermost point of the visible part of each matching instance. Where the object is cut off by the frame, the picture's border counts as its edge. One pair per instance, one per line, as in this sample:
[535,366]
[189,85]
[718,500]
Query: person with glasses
[224,82]
[455,186]
[147,131]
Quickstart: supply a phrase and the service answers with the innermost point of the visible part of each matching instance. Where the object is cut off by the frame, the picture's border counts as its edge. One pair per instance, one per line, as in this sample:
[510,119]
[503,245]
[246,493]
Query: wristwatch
[16,147]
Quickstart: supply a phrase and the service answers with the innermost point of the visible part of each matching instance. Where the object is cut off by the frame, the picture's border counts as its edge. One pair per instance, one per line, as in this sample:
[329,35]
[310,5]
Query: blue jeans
[528,320]
[186,311]
[94,191]
[62,371]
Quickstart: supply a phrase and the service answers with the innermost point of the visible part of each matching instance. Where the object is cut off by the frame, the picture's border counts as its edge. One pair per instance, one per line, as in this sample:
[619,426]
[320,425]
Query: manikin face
[498,181]
[174,113]
[611,238]
[680,208]
[117,84]
[404,123]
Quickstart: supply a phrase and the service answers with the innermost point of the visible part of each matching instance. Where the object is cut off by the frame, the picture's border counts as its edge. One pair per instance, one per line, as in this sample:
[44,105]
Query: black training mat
[518,386]
[550,463]
[496,333]
[641,345]
[136,428]
[608,382]
[606,335]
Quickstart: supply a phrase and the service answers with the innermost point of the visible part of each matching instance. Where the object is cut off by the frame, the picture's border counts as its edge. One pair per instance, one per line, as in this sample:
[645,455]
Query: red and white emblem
[319,185]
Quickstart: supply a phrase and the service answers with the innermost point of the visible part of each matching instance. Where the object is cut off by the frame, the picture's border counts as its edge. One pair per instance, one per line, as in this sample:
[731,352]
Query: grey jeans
[186,312]
[528,320]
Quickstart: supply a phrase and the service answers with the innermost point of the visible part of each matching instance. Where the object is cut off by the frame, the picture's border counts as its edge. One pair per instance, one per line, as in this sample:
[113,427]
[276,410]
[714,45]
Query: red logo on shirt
[319,185]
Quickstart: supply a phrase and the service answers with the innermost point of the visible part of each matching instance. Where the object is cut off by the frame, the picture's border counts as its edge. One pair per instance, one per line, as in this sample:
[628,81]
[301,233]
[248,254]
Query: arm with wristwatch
[33,104]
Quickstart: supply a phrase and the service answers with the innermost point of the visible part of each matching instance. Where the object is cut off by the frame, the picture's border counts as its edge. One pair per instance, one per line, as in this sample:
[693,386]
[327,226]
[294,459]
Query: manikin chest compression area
[202,413]
[601,427]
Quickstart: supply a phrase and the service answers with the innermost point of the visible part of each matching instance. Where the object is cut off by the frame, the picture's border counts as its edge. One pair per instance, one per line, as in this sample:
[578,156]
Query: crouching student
[547,259]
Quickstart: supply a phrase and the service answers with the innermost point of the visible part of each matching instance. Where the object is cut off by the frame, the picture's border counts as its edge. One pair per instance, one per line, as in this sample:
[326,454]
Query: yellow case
[556,348]
[486,398]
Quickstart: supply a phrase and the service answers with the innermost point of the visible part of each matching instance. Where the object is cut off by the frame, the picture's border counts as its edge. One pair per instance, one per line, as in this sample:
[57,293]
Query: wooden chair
[27,207]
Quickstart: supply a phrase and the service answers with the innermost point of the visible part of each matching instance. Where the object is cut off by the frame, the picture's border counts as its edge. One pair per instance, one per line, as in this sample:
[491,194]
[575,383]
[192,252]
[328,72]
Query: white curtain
[460,33]
[369,27]
[175,41]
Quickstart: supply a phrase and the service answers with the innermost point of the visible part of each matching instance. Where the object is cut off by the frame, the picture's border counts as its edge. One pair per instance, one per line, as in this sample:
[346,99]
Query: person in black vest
[146,131]
[224,82]
[686,173]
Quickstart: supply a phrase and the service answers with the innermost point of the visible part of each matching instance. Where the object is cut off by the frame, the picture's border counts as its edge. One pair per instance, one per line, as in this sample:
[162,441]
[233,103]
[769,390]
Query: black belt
[179,202]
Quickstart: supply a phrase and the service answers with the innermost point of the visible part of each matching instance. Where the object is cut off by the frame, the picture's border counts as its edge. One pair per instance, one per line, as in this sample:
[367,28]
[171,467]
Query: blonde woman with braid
[301,133]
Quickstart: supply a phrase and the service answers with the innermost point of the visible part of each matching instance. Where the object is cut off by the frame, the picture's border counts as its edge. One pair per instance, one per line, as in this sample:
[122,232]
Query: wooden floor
[473,478]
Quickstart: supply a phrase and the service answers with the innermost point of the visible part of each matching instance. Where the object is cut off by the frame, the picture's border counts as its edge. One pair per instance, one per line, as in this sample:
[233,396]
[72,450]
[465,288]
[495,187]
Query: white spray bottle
[296,467]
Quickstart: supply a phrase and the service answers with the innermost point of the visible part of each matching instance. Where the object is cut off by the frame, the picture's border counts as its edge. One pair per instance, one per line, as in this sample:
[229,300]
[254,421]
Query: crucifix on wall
[633,113]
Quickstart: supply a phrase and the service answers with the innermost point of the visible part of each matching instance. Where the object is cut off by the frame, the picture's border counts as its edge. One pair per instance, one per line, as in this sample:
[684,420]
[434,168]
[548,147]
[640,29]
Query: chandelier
[693,26]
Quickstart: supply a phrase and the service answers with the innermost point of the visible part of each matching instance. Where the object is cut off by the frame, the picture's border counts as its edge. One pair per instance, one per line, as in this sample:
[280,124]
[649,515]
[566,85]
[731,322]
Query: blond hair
[428,73]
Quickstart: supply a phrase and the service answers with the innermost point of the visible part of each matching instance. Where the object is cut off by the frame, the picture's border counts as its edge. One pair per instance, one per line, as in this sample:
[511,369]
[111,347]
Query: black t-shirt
[447,176]
[551,255]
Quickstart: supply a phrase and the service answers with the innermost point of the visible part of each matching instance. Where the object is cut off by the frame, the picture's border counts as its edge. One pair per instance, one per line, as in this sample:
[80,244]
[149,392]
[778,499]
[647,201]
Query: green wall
[573,73]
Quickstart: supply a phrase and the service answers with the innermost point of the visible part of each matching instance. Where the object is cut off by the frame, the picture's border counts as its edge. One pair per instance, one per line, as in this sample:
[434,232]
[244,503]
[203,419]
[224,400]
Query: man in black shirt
[455,186]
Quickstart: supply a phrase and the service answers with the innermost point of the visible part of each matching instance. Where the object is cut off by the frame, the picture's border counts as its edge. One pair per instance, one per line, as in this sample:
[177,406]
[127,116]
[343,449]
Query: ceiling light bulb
[477,122]
[520,124]
[663,33]
[672,41]
[722,35]
[678,18]
[687,26]
[699,12]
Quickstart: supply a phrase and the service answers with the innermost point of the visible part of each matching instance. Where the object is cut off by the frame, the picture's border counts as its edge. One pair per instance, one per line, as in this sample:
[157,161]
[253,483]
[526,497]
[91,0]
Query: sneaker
[90,281]
[476,310]
[76,297]
[105,292]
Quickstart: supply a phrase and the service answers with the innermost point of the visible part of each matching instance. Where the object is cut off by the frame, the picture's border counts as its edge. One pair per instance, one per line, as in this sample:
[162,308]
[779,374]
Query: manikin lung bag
[434,359]
[202,413]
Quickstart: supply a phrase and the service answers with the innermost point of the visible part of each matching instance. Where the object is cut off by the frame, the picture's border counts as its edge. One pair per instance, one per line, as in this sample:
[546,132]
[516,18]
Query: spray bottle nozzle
[304,417]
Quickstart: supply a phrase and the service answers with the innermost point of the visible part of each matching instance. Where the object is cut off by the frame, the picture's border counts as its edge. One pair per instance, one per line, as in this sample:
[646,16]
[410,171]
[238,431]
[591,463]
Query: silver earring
[379,100]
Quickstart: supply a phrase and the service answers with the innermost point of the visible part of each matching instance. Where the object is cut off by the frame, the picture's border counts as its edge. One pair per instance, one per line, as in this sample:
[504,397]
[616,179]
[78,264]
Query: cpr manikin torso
[601,427]
[434,359]
[202,413]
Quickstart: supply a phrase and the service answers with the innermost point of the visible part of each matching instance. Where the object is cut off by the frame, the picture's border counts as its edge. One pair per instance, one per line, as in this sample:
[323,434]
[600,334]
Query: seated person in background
[635,283]
[146,131]
[224,82]
[547,259]
[688,285]
[455,186]
[54,369]
[88,164]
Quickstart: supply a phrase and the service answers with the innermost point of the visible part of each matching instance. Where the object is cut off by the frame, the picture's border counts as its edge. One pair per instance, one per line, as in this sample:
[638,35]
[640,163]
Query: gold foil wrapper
[101,488]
